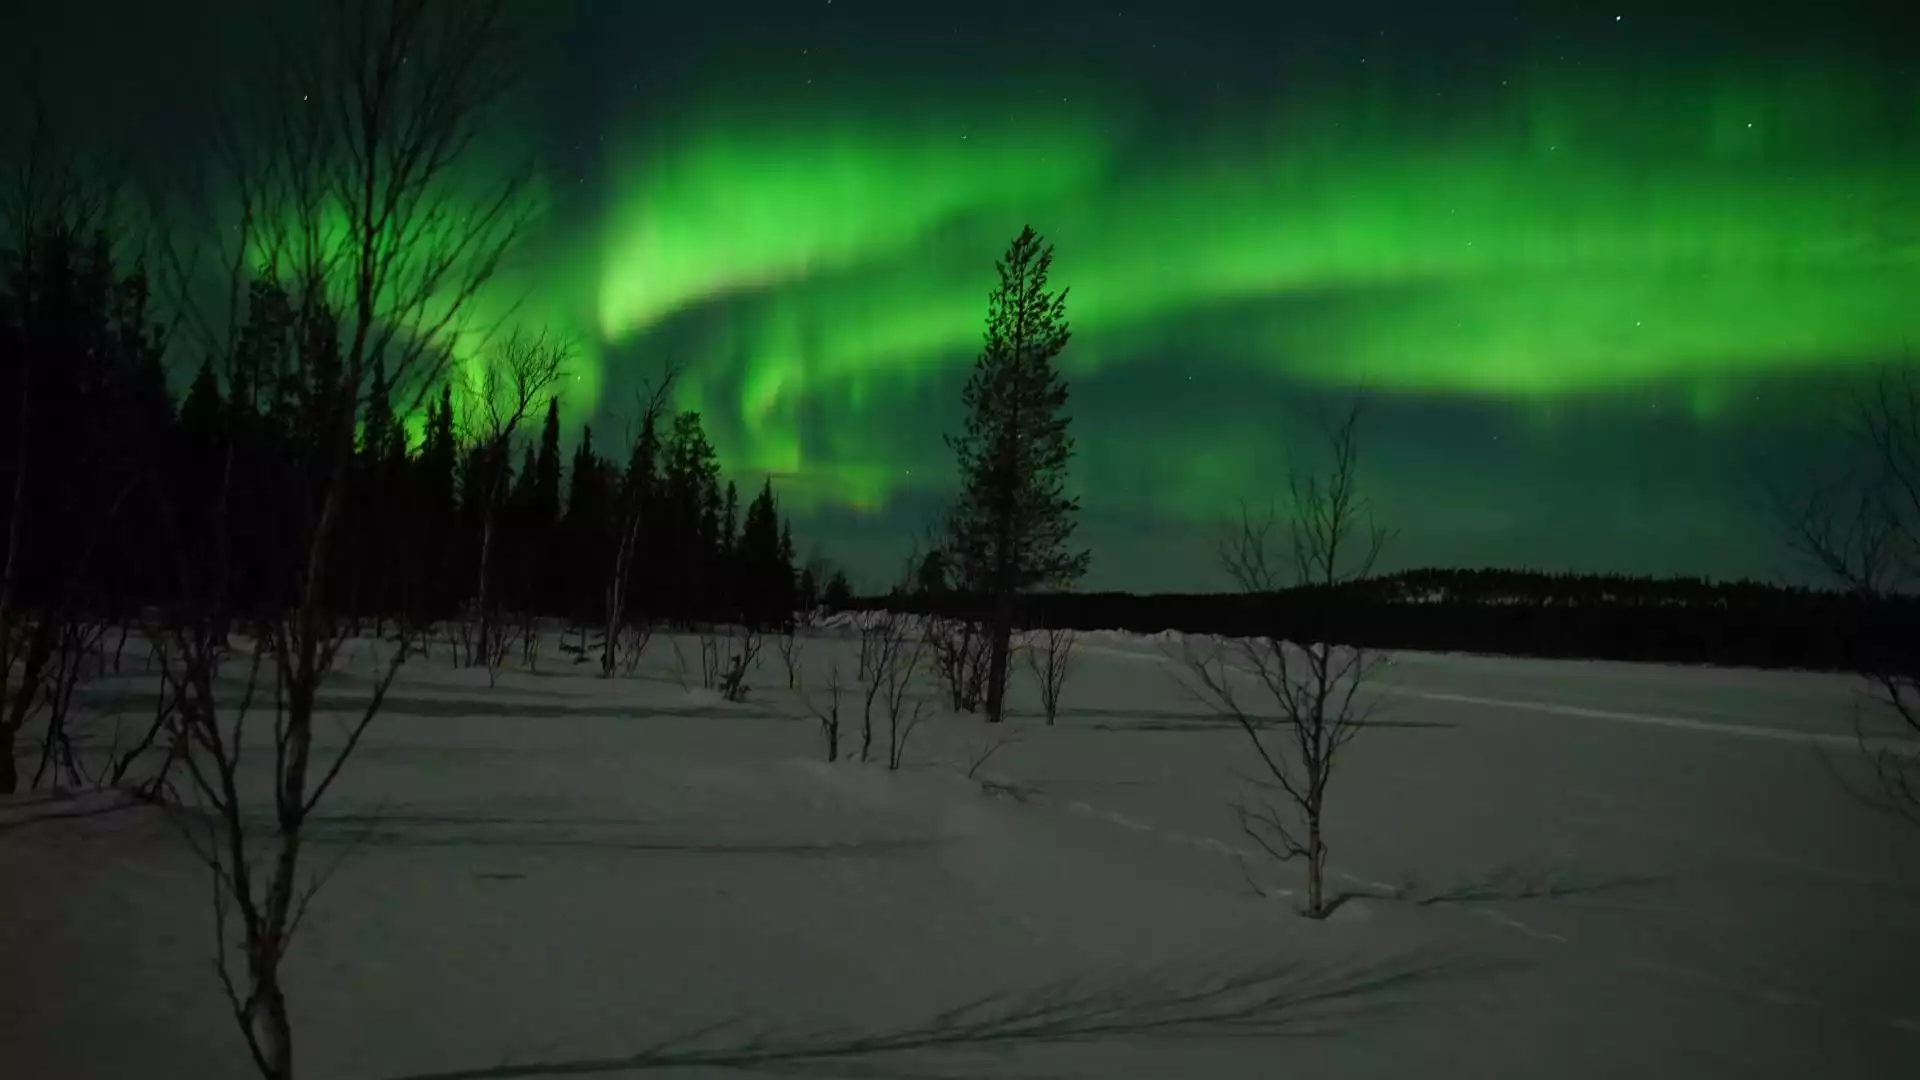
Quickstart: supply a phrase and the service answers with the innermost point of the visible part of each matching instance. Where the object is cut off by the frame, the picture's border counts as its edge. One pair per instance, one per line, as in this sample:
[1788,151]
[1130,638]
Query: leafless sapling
[878,647]
[62,647]
[529,632]
[957,646]
[1050,658]
[518,376]
[988,752]
[630,509]
[47,191]
[1306,702]
[631,644]
[1862,529]
[349,185]
[258,881]
[156,786]
[903,651]
[824,704]
[26,647]
[76,650]
[865,627]
[990,785]
[727,655]
[792,643]
[742,656]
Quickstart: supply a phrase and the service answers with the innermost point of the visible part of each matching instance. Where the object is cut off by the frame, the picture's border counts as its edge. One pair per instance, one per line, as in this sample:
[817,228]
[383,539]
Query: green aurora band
[822,270]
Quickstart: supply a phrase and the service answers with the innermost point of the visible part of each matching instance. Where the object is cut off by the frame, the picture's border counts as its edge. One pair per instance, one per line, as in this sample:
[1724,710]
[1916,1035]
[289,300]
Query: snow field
[559,869]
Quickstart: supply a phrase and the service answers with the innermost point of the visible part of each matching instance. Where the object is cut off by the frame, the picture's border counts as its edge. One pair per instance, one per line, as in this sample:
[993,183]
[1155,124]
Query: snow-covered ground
[1558,869]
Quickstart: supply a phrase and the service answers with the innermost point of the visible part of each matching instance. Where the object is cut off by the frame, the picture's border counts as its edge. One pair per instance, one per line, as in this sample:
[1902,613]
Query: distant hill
[1528,613]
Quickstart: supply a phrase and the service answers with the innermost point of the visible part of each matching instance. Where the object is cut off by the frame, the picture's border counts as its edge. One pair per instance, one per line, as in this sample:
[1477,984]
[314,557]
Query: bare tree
[792,642]
[630,645]
[46,194]
[1329,542]
[998,787]
[1050,658]
[76,649]
[1862,529]
[26,647]
[726,655]
[890,654]
[121,762]
[898,674]
[987,753]
[958,648]
[866,628]
[629,511]
[257,877]
[516,379]
[348,185]
[529,640]
[825,707]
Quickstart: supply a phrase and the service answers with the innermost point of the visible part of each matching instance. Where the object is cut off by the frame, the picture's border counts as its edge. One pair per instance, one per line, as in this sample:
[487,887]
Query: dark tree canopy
[119,490]
[1012,527]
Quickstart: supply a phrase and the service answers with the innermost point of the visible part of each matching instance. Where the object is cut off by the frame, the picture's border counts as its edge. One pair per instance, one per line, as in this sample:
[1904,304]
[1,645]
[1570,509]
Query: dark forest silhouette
[109,464]
[114,464]
[1682,620]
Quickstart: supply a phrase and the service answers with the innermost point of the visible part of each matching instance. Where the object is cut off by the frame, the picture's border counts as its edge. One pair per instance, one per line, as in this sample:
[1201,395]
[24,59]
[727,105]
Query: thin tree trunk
[1002,631]
[482,603]
[617,594]
[272,1031]
[1316,857]
[9,771]
[10,726]
[39,648]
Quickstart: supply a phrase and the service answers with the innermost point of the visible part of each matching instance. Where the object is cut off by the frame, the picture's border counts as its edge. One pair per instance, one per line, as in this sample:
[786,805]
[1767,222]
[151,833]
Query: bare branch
[1050,658]
[1862,529]
[1331,542]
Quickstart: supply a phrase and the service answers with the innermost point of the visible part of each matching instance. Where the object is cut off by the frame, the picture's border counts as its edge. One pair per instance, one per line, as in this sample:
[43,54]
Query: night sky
[1596,265]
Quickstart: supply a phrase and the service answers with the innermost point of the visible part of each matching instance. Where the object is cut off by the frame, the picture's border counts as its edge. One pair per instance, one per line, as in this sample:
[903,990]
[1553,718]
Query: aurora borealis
[1590,263]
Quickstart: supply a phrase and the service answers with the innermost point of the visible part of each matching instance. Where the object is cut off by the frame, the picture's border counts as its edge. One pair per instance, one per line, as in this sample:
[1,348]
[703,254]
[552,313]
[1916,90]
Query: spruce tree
[377,423]
[546,470]
[202,409]
[439,455]
[586,528]
[930,578]
[838,593]
[1011,527]
[727,575]
[371,526]
[520,535]
[807,590]
[758,562]
[196,472]
[788,591]
[542,522]
[691,516]
[634,535]
[730,519]
[642,496]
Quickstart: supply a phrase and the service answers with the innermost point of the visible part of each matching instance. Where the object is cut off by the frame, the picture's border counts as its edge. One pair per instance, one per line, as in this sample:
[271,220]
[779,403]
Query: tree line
[120,498]
[1510,613]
